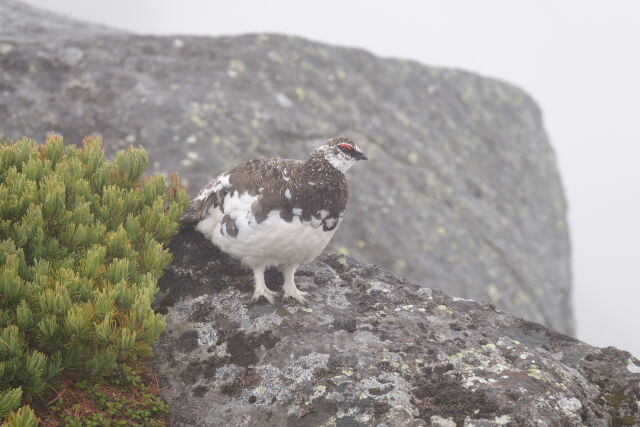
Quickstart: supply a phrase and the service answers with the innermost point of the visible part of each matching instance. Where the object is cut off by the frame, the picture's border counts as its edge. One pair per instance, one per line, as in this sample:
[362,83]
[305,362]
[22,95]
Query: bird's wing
[199,205]
[261,176]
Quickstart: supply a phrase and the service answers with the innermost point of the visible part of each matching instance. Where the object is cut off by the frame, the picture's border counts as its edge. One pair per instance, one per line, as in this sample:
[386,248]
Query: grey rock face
[369,349]
[461,190]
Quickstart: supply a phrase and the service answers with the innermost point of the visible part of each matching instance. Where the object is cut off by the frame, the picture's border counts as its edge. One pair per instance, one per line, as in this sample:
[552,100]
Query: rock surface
[370,349]
[461,192]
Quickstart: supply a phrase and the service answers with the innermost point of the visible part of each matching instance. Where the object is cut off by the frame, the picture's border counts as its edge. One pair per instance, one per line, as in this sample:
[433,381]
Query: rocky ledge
[370,348]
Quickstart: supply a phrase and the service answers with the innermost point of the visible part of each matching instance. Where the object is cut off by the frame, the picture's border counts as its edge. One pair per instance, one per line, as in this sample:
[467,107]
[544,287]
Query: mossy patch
[129,397]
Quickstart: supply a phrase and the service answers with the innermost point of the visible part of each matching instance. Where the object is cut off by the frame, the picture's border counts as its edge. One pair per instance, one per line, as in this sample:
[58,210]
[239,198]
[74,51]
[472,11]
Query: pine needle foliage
[81,250]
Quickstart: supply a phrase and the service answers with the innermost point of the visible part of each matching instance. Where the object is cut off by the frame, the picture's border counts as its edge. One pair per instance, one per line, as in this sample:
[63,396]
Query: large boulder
[462,191]
[370,349]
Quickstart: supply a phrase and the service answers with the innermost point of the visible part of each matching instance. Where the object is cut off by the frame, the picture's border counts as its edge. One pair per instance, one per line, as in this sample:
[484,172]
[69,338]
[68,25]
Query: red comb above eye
[347,146]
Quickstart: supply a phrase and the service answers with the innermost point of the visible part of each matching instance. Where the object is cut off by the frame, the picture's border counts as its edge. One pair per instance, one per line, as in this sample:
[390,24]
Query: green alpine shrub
[81,250]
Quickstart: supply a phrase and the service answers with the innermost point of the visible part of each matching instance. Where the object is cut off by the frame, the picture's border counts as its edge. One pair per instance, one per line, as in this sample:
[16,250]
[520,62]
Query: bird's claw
[298,295]
[267,294]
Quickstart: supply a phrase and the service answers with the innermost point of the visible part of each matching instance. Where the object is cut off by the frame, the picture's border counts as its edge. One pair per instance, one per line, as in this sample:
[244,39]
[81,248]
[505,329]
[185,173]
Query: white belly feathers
[272,242]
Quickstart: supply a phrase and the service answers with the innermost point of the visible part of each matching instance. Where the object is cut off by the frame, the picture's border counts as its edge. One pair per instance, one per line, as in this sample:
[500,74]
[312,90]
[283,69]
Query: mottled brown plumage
[250,201]
[314,185]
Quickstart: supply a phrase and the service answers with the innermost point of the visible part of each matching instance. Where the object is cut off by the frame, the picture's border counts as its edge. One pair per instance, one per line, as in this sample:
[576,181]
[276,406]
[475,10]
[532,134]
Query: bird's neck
[319,169]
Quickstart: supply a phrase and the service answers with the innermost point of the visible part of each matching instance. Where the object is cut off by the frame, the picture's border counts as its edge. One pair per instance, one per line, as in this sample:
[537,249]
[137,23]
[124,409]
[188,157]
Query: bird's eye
[345,146]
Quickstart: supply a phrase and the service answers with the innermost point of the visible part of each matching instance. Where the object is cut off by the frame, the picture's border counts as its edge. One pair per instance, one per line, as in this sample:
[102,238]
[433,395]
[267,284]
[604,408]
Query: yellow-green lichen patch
[400,265]
[343,250]
[402,117]
[443,309]
[301,94]
[493,293]
[457,356]
[305,65]
[521,298]
[318,391]
[413,158]
[478,364]
[534,372]
[198,121]
[343,262]
[235,68]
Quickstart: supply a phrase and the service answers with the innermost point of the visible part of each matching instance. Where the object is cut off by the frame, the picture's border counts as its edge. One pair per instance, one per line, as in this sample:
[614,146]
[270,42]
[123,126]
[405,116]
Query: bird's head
[342,153]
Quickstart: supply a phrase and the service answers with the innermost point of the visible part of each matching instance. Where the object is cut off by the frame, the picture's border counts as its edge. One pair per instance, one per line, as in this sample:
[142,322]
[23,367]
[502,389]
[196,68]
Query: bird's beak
[361,156]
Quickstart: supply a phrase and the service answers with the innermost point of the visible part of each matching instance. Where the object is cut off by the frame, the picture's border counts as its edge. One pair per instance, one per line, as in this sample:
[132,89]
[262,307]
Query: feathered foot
[261,287]
[290,289]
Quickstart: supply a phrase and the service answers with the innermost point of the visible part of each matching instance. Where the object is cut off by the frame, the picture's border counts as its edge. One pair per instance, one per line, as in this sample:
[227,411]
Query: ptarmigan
[277,212]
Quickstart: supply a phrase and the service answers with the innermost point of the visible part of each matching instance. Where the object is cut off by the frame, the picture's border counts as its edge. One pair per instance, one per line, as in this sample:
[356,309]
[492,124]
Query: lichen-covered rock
[461,191]
[369,349]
